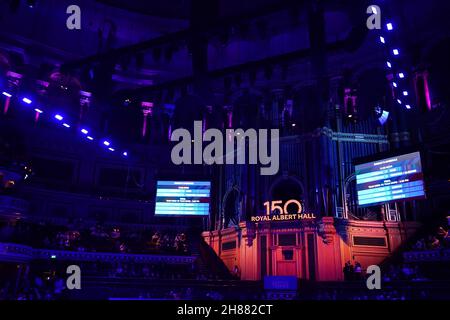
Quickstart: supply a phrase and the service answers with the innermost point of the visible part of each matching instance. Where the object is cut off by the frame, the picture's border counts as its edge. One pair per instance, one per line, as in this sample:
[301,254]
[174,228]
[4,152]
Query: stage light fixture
[58,117]
[125,154]
[111,149]
[66,125]
[9,95]
[84,131]
[38,110]
[390,26]
[27,101]
[401,75]
[396,52]
[405,93]
[394,84]
[399,101]
[408,106]
[90,138]
[382,40]
[389,64]
[106,143]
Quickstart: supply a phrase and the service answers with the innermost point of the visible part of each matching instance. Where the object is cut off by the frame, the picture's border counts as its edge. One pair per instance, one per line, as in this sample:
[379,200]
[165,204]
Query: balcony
[11,207]
[12,252]
[427,255]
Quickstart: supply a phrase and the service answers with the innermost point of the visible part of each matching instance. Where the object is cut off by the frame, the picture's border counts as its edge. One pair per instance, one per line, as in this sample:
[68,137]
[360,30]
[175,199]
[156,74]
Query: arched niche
[231,207]
[287,188]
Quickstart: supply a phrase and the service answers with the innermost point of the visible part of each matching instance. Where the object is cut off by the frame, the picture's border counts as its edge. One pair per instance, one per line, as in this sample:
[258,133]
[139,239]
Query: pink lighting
[7,101]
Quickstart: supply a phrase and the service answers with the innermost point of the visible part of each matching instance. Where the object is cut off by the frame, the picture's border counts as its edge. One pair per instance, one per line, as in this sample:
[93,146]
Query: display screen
[182,198]
[388,180]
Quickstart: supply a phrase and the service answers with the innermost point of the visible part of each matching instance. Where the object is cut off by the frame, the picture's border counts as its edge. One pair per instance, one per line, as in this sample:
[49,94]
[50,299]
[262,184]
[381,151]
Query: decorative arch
[230,206]
[287,187]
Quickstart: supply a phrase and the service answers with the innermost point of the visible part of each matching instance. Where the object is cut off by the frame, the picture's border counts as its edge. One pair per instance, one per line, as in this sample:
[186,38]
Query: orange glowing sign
[280,212]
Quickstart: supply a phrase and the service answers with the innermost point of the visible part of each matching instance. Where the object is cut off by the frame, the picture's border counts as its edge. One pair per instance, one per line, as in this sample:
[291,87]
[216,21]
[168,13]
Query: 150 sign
[278,211]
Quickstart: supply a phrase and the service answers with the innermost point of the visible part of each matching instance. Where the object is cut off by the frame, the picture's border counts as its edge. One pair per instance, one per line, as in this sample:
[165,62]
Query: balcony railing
[19,253]
[427,255]
[11,206]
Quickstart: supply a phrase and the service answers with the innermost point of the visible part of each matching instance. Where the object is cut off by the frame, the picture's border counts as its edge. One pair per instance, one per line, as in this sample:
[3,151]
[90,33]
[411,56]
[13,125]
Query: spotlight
[293,124]
[405,93]
[27,101]
[111,149]
[382,40]
[390,26]
[408,106]
[31,3]
[394,84]
[396,52]
[66,125]
[401,75]
[389,64]
[399,101]
[38,110]
[9,95]
[58,117]
[125,154]
[90,138]
[84,131]
[106,143]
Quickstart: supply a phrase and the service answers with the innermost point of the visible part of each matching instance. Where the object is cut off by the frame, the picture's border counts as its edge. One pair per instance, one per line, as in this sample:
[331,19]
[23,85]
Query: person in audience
[357,271]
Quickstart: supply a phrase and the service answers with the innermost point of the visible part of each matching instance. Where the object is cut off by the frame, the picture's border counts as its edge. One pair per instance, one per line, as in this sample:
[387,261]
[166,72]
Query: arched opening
[285,190]
[231,208]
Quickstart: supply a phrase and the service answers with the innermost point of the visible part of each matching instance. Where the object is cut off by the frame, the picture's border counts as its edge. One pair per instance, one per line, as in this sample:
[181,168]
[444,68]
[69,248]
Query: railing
[13,206]
[427,255]
[11,252]
[18,253]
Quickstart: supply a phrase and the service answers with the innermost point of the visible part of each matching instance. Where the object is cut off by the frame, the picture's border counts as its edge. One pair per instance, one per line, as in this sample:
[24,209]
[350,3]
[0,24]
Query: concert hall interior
[115,183]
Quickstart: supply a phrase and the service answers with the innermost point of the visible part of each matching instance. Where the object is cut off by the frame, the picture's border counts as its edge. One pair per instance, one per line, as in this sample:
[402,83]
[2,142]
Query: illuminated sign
[276,211]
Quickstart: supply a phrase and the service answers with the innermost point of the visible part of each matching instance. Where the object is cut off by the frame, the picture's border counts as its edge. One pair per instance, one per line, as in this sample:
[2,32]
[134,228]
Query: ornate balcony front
[12,207]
